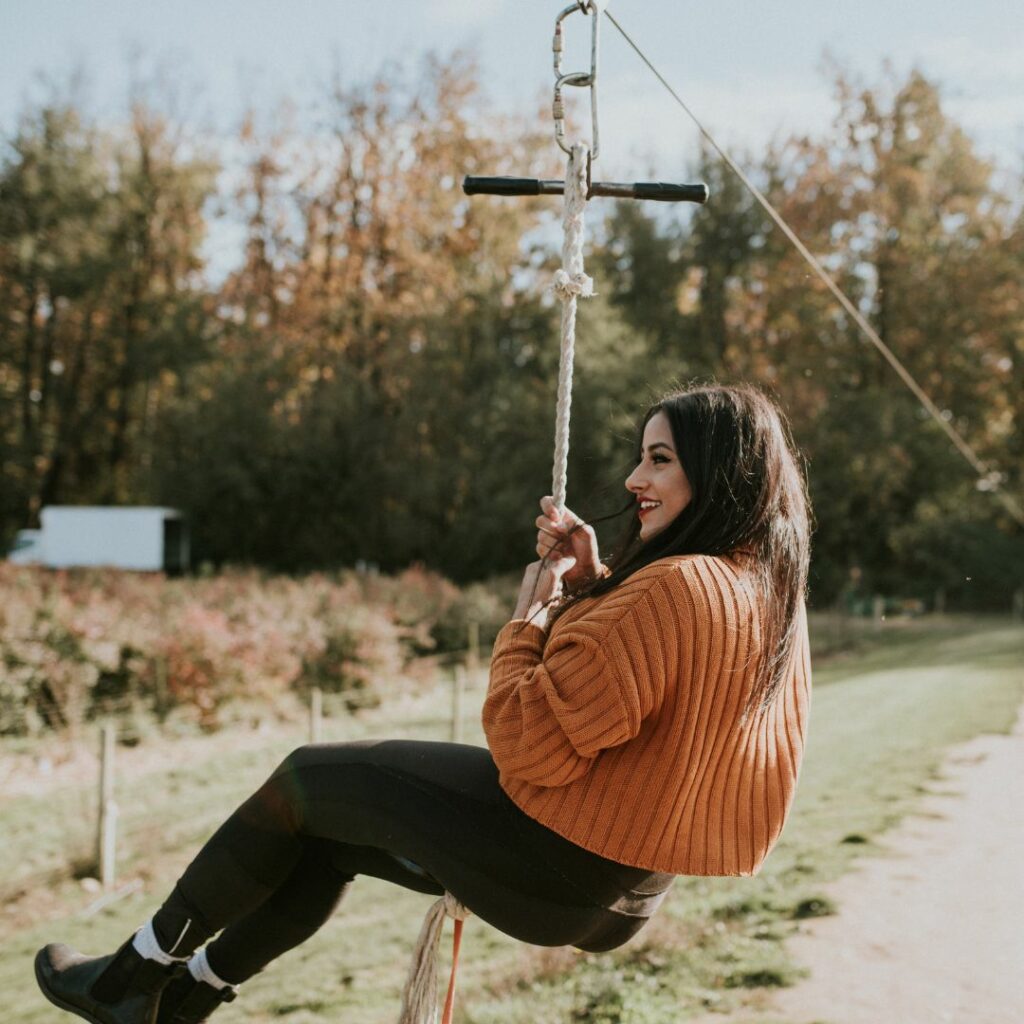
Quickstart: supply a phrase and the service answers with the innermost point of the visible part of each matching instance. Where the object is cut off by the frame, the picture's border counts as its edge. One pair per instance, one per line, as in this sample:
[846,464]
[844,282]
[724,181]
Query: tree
[922,228]
[101,302]
[363,317]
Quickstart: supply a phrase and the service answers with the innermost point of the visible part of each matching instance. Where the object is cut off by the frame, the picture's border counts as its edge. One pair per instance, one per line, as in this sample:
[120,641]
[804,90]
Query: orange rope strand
[449,1000]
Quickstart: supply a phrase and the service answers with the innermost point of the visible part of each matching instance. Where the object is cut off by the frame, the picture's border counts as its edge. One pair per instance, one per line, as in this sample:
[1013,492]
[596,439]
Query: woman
[644,719]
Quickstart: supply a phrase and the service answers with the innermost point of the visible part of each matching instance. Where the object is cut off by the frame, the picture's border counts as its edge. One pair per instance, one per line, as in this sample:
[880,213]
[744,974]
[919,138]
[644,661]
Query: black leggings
[426,816]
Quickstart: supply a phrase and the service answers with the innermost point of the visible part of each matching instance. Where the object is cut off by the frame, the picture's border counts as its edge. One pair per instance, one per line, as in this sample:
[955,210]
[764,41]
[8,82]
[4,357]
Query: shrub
[75,645]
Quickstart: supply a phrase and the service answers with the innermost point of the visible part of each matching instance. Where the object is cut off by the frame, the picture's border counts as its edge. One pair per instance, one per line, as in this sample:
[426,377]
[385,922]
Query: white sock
[146,945]
[200,969]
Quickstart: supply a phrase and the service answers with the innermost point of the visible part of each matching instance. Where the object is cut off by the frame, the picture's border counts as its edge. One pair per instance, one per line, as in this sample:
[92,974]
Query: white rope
[570,283]
[419,998]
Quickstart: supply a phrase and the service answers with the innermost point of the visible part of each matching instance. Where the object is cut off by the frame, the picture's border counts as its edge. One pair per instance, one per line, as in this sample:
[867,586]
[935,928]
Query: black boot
[187,1001]
[121,988]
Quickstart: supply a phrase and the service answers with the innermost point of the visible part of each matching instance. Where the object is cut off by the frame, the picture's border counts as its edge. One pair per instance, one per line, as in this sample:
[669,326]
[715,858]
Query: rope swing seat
[571,283]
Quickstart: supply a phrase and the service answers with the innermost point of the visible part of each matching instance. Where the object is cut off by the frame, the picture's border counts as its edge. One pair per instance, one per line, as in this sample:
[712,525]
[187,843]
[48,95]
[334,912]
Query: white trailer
[73,536]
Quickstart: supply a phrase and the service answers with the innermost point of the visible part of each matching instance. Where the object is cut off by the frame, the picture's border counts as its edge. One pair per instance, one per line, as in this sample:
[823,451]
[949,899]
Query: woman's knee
[316,771]
[277,803]
[294,760]
[336,755]
[288,774]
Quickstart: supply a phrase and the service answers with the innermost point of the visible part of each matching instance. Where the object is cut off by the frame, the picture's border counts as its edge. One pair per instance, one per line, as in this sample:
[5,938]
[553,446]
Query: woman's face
[658,477]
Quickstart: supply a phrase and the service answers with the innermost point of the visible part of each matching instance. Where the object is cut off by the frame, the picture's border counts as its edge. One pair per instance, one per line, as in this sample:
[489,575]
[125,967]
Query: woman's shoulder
[677,580]
[714,569]
[718,585]
[686,587]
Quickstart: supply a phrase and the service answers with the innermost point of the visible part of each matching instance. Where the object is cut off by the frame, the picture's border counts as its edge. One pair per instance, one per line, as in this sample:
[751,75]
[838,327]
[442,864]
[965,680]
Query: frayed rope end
[419,999]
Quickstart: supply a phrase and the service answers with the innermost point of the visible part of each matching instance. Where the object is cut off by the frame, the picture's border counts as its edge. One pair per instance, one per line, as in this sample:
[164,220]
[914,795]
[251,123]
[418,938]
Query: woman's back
[624,730]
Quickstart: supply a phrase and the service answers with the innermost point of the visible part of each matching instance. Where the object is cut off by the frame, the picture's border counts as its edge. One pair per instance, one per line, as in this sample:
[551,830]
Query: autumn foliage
[77,645]
[371,376]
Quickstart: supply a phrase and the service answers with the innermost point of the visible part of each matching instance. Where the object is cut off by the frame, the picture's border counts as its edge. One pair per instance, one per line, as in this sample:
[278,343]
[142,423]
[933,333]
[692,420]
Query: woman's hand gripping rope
[564,536]
[568,550]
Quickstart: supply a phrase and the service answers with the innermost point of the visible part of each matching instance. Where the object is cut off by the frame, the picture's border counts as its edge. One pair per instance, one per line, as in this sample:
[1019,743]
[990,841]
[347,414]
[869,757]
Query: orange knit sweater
[622,730]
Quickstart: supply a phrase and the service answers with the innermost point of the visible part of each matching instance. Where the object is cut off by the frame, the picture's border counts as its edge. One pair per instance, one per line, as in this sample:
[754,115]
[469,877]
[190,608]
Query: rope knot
[568,286]
[454,909]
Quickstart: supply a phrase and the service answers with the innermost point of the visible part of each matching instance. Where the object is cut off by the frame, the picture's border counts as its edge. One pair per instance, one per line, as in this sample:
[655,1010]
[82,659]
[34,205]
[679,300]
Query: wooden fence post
[106,840]
[163,701]
[1018,604]
[316,714]
[473,656]
[458,687]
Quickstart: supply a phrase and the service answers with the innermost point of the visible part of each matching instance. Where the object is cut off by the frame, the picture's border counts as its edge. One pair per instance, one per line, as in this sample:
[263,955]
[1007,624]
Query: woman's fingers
[548,543]
[555,530]
[549,532]
[550,510]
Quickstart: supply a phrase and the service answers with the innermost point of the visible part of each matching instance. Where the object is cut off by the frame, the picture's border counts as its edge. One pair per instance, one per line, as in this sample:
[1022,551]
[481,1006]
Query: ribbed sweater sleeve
[551,709]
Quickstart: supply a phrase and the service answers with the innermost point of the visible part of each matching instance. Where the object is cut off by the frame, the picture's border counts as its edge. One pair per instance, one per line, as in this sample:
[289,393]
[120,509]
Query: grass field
[883,713]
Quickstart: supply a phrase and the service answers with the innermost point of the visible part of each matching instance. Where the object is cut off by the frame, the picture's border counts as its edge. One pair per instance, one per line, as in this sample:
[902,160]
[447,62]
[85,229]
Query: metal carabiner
[580,79]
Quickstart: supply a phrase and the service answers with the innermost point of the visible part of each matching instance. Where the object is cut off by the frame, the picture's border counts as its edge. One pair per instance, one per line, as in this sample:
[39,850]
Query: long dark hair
[749,496]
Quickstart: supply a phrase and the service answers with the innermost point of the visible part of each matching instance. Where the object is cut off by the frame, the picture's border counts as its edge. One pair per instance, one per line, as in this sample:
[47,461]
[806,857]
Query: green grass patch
[813,906]
[882,717]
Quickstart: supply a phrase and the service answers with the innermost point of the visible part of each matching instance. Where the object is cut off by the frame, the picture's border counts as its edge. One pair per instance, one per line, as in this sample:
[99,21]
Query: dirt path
[933,930]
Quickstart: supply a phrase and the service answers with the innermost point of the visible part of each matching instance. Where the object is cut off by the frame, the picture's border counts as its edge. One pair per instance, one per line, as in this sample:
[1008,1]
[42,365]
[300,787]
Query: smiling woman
[683,662]
[656,729]
[660,483]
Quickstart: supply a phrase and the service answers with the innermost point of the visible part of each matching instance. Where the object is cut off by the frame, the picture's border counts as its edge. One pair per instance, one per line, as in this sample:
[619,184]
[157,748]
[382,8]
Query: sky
[751,71]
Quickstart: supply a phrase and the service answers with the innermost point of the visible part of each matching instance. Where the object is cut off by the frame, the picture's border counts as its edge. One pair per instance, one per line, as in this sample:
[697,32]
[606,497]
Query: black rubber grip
[659,191]
[501,186]
[666,193]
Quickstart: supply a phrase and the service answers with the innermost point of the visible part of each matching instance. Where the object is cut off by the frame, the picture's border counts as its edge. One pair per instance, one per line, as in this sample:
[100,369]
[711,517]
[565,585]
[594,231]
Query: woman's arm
[553,706]
[555,703]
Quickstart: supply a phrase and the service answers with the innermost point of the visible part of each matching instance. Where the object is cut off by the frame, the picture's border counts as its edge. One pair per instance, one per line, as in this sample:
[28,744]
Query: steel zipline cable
[987,476]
